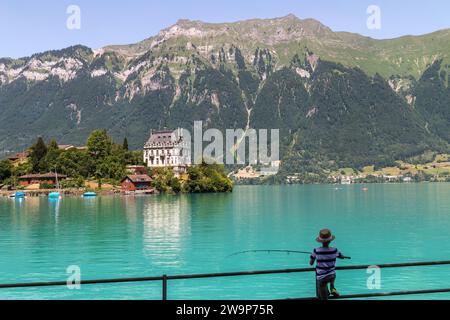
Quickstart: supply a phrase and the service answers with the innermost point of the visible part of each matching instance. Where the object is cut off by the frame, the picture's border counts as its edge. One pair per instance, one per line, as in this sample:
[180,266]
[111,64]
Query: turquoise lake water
[112,237]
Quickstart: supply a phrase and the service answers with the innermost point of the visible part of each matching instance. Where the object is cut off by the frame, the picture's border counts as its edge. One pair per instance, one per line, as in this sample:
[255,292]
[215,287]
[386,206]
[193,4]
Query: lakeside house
[132,183]
[347,180]
[136,170]
[45,178]
[267,170]
[18,156]
[168,149]
[392,178]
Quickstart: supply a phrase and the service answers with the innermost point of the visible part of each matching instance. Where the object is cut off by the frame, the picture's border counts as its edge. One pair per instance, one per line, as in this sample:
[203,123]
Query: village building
[19,158]
[390,178]
[246,173]
[132,183]
[168,149]
[347,180]
[136,170]
[296,178]
[46,178]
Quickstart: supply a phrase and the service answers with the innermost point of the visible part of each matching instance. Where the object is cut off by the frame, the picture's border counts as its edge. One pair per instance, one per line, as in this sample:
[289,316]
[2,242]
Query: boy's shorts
[322,287]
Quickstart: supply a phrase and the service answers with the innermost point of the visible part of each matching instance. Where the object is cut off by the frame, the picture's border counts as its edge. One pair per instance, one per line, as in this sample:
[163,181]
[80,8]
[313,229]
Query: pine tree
[38,152]
[5,169]
[53,145]
[50,161]
[125,144]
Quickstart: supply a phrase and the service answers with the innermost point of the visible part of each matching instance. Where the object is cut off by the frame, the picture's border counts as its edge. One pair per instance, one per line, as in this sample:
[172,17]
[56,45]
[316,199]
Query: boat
[89,195]
[19,195]
[54,195]
[57,194]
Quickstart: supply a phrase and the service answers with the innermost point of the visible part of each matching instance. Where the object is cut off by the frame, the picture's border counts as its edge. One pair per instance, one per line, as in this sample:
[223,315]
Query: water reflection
[131,209]
[167,227]
[18,204]
[29,210]
[54,207]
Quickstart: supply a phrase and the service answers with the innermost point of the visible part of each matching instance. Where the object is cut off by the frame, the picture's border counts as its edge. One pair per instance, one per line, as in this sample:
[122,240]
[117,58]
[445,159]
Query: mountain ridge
[276,34]
[340,99]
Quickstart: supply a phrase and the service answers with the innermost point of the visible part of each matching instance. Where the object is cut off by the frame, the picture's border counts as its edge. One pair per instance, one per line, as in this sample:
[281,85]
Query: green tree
[99,144]
[125,144]
[53,145]
[208,178]
[50,161]
[175,185]
[5,170]
[165,181]
[134,157]
[38,152]
[73,183]
[18,171]
[75,163]
[110,168]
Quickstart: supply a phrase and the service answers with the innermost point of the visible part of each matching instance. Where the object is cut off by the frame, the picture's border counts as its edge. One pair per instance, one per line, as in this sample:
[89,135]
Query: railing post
[164,288]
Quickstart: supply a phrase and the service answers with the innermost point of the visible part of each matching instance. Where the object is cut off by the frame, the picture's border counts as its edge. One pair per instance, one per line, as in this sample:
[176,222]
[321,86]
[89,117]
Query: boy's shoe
[335,293]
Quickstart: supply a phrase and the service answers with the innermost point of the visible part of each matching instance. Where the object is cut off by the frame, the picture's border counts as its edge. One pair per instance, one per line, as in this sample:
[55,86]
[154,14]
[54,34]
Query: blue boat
[89,195]
[20,195]
[54,195]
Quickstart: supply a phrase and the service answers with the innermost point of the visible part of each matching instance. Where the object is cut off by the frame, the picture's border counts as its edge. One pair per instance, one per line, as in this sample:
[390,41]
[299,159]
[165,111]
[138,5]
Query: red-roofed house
[140,182]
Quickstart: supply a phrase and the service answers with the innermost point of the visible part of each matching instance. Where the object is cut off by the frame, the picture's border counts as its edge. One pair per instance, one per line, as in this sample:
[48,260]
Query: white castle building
[168,149]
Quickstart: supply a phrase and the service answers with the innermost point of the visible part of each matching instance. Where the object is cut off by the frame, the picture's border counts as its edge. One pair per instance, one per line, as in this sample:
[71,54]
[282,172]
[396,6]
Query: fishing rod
[269,251]
[277,251]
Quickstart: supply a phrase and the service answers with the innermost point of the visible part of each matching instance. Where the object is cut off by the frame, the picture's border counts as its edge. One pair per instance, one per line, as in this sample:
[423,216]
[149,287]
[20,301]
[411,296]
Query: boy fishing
[325,258]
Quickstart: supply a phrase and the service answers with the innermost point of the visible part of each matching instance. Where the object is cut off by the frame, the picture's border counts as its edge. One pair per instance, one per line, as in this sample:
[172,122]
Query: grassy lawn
[439,165]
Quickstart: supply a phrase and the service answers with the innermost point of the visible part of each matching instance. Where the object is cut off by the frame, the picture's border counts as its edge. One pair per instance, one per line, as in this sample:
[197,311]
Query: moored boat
[19,195]
[54,195]
[89,194]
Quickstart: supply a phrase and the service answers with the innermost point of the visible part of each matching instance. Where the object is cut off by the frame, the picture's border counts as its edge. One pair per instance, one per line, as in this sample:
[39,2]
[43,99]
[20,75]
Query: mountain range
[340,99]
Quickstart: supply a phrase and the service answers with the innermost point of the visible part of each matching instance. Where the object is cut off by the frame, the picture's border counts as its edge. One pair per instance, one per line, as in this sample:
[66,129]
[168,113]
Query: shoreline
[80,193]
[336,184]
[68,192]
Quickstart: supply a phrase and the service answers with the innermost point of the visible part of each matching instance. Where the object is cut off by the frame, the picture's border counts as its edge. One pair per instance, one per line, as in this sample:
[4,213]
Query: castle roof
[162,139]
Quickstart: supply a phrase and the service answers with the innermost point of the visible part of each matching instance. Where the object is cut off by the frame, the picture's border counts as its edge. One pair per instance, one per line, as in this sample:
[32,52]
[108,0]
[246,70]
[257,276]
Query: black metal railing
[165,279]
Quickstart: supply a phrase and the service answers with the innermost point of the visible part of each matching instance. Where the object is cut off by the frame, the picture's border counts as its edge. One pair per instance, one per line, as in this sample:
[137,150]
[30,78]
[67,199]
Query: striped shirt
[326,261]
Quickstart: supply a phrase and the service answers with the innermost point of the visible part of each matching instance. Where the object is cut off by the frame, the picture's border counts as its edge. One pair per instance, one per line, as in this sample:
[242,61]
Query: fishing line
[269,251]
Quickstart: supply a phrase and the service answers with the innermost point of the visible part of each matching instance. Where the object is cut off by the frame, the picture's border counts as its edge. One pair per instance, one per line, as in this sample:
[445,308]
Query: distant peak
[290,16]
[183,21]
[288,19]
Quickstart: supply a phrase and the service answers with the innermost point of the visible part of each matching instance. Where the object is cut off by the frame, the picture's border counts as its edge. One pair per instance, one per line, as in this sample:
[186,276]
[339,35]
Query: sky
[28,27]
